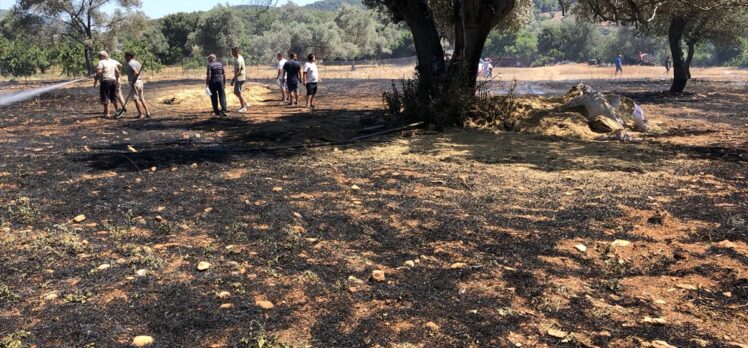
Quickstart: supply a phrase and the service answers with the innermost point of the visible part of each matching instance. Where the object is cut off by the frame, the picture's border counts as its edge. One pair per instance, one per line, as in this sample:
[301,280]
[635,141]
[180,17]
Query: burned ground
[486,239]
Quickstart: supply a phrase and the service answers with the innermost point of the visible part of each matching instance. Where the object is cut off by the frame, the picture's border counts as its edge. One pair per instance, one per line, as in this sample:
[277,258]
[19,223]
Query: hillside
[333,5]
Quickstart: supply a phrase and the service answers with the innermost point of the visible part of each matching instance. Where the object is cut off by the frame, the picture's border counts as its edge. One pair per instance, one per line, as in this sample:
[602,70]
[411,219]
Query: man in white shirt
[240,76]
[107,74]
[282,77]
[311,79]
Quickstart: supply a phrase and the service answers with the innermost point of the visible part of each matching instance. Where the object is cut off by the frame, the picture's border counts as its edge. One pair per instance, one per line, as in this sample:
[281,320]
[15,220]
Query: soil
[485,238]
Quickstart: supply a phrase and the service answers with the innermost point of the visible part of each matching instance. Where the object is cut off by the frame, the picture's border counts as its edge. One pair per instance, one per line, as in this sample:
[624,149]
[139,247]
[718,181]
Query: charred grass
[491,223]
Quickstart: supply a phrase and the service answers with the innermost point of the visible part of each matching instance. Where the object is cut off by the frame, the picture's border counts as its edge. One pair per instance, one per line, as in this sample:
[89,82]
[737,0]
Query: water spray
[15,97]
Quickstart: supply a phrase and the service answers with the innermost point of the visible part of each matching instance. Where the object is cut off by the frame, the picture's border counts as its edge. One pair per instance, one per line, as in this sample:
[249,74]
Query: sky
[160,8]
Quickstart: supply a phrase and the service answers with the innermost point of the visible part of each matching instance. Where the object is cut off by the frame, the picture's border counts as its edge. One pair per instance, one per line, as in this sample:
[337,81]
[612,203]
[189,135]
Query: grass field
[484,238]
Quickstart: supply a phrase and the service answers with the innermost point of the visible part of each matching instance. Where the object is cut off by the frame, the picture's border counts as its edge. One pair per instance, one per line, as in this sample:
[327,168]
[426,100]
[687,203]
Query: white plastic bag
[207,92]
[640,122]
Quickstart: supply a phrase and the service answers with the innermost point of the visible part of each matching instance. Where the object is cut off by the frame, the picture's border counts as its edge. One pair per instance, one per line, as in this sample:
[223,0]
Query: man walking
[107,74]
[292,69]
[667,65]
[311,79]
[239,77]
[216,82]
[619,65]
[133,69]
[282,77]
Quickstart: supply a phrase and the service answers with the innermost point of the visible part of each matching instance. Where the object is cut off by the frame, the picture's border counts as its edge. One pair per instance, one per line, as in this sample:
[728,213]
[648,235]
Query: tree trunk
[429,51]
[89,58]
[689,58]
[473,21]
[680,69]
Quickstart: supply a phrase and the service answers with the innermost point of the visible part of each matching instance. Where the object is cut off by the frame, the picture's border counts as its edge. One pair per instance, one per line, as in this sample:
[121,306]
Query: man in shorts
[133,69]
[240,76]
[107,74]
[292,69]
[282,77]
[311,79]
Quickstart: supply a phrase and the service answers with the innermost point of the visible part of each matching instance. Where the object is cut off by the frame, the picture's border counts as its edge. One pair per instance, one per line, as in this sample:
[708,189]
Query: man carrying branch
[133,70]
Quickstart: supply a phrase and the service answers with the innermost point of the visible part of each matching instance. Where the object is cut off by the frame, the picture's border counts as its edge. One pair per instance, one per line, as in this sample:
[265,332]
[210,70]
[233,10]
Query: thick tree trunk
[473,21]
[429,51]
[88,52]
[689,58]
[680,69]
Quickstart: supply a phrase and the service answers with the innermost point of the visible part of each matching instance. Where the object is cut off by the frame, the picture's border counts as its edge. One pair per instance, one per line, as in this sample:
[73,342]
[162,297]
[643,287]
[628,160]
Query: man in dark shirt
[292,68]
[216,82]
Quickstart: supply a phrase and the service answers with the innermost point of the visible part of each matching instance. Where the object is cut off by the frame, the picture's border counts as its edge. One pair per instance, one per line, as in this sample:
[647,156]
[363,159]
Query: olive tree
[679,20]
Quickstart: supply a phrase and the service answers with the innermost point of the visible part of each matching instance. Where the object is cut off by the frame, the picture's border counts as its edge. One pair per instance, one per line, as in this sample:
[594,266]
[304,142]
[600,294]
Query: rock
[141,272]
[603,124]
[131,149]
[727,293]
[277,189]
[410,263]
[727,244]
[557,333]
[736,345]
[355,280]
[51,296]
[355,188]
[104,267]
[203,266]
[298,215]
[80,218]
[378,275]
[458,265]
[700,342]
[224,295]
[581,247]
[226,306]
[620,243]
[686,286]
[142,341]
[432,326]
[661,344]
[208,210]
[655,321]
[264,304]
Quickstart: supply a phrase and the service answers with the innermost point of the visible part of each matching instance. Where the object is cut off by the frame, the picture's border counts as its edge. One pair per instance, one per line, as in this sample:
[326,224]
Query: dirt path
[485,240]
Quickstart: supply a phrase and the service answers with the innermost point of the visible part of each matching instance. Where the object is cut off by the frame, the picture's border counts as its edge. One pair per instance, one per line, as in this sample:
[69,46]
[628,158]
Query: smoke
[15,97]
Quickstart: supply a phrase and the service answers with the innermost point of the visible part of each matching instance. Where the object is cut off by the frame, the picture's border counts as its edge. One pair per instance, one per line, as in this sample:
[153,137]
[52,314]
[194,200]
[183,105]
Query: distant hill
[333,5]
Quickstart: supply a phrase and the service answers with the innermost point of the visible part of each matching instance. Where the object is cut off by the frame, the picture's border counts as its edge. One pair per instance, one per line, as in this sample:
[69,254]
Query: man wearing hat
[216,82]
[107,73]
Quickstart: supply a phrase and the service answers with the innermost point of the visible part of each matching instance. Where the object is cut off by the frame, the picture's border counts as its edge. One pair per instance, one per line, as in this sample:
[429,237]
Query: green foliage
[20,58]
[522,44]
[218,31]
[69,57]
[741,59]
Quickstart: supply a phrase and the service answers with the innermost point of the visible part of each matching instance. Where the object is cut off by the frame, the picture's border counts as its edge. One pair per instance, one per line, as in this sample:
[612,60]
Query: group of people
[290,75]
[107,76]
[618,61]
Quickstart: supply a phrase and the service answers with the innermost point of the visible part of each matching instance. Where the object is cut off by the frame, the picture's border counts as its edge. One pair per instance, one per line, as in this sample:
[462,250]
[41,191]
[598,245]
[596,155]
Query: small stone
[80,218]
[581,247]
[655,321]
[410,263]
[458,265]
[227,306]
[620,243]
[265,304]
[203,266]
[141,272]
[661,344]
[660,302]
[208,210]
[686,286]
[432,326]
[557,333]
[224,295]
[727,294]
[355,188]
[298,215]
[104,267]
[142,341]
[277,189]
[51,296]
[160,209]
[378,275]
[355,280]
[727,244]
[131,149]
